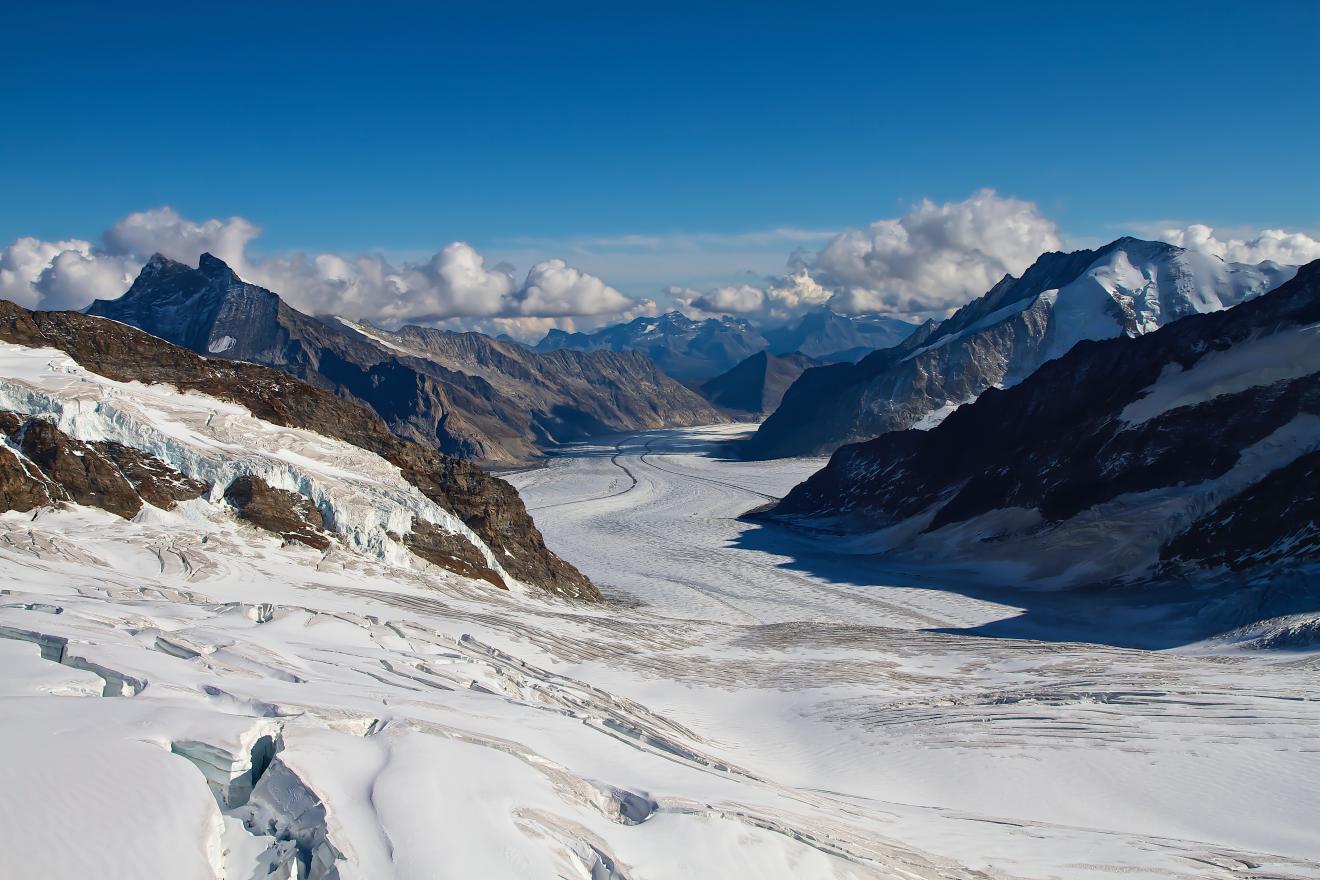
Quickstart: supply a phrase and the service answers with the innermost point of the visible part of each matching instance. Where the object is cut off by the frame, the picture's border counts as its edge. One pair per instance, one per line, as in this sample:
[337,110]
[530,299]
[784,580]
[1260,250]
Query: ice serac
[464,394]
[373,512]
[1186,454]
[1127,288]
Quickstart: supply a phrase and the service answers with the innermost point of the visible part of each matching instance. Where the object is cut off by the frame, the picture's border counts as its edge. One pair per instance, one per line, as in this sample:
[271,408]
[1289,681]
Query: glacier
[189,698]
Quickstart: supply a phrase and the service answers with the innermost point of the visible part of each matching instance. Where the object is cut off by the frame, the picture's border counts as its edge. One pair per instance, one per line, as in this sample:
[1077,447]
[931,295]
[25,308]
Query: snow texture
[185,698]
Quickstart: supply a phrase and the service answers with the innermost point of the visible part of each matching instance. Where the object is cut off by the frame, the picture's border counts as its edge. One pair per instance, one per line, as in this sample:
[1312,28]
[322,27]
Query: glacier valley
[186,698]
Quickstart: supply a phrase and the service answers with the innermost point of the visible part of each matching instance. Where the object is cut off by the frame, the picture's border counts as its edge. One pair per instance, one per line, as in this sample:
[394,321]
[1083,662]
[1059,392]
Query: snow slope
[185,697]
[361,496]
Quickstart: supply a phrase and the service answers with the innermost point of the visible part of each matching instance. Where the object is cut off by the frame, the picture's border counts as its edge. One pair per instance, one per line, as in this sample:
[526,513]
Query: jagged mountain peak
[463,393]
[1125,288]
[1198,425]
[213,267]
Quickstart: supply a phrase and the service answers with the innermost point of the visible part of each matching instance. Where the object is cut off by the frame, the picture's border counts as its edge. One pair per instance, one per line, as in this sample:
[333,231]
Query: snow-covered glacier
[184,696]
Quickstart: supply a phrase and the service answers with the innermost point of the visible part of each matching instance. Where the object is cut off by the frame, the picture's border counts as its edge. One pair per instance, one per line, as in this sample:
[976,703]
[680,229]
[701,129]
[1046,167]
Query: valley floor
[748,705]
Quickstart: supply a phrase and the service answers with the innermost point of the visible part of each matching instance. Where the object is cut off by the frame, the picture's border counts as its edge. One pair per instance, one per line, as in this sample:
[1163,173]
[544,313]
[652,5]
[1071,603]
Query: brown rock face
[287,514]
[489,506]
[451,552]
[107,475]
[155,481]
[20,489]
[86,476]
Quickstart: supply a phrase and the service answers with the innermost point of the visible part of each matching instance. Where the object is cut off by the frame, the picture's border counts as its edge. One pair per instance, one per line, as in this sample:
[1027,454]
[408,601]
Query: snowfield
[185,698]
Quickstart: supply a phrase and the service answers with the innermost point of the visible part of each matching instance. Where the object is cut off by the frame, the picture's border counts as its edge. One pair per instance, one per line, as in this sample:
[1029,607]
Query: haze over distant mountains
[462,393]
[688,348]
[757,384]
[1128,287]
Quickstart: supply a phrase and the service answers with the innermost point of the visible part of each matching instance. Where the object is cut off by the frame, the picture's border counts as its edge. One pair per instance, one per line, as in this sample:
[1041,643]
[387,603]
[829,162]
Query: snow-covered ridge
[1142,286]
[1263,361]
[362,498]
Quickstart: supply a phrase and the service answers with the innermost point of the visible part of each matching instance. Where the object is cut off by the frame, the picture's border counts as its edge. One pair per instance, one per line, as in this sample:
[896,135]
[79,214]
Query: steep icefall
[363,499]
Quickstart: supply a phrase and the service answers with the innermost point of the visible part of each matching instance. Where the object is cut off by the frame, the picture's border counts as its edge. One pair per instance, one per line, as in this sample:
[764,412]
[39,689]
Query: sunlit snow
[184,697]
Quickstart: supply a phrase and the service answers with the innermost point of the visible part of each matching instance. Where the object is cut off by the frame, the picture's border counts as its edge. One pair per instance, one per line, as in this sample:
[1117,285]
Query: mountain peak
[213,267]
[161,263]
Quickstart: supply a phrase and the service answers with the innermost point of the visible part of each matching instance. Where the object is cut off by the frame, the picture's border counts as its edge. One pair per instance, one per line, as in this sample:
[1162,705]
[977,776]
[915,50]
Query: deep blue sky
[401,127]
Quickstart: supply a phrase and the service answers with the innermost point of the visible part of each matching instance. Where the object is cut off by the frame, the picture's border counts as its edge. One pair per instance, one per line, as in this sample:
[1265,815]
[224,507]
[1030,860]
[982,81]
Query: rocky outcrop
[464,394]
[46,466]
[154,481]
[489,506]
[86,476]
[1187,449]
[450,552]
[1126,288]
[287,514]
[758,384]
[20,486]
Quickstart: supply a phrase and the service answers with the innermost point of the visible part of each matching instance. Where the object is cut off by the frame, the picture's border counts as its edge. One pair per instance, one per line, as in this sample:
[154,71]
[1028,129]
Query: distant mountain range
[756,385]
[1190,454]
[831,337]
[1129,287]
[465,394]
[690,349]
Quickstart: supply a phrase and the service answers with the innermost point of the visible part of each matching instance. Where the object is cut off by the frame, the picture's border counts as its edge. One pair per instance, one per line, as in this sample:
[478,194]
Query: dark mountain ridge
[465,394]
[694,350]
[1128,287]
[1189,455]
[757,384]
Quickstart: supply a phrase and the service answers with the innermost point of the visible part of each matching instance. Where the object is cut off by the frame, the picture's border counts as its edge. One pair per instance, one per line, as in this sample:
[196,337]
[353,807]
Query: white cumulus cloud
[61,274]
[555,288]
[164,230]
[455,282]
[1288,248]
[737,299]
[935,256]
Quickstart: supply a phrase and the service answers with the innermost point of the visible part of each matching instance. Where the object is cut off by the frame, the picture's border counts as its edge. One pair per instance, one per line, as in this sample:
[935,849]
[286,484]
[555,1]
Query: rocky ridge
[1188,452]
[488,506]
[1127,288]
[465,394]
[757,384]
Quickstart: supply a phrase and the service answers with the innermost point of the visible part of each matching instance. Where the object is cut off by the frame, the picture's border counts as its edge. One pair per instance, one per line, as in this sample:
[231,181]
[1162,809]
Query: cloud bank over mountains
[1286,248]
[931,259]
[454,282]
